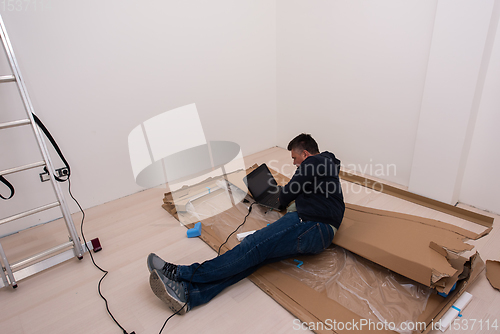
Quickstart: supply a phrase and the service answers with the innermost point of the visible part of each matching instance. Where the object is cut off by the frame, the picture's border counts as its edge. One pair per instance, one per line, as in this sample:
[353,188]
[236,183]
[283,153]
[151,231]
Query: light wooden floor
[64,299]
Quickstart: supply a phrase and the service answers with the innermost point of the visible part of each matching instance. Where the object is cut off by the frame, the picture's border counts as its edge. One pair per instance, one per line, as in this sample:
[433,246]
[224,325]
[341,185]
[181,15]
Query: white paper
[241,236]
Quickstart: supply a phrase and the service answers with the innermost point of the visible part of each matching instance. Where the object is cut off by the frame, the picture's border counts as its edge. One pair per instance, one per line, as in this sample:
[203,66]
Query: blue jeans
[287,237]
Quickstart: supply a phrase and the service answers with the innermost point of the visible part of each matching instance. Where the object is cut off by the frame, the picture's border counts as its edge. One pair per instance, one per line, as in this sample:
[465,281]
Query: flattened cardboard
[310,306]
[493,273]
[305,303]
[418,199]
[415,247]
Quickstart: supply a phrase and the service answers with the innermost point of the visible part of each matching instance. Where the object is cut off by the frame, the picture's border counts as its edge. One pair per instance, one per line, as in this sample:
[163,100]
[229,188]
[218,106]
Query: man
[319,206]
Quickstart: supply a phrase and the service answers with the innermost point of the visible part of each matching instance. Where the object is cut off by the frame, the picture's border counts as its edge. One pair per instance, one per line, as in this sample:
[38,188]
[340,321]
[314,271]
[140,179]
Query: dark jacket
[316,189]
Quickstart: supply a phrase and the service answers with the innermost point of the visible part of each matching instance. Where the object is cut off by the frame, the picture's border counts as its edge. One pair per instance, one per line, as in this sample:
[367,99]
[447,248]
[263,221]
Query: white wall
[386,83]
[96,69]
[452,82]
[352,73]
[481,184]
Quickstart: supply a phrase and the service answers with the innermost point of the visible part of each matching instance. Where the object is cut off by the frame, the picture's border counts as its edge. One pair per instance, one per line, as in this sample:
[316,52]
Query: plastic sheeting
[371,291]
[211,209]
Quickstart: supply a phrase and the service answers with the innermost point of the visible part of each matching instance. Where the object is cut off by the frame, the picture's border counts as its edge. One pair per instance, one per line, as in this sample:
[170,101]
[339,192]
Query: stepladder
[12,272]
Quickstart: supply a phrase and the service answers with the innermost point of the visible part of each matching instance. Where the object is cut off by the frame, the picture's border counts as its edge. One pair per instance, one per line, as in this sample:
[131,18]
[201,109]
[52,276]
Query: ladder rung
[39,266]
[21,168]
[29,212]
[7,78]
[14,123]
[57,249]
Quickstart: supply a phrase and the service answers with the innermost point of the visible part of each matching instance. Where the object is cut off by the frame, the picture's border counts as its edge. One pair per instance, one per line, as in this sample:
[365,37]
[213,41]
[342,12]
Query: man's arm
[296,186]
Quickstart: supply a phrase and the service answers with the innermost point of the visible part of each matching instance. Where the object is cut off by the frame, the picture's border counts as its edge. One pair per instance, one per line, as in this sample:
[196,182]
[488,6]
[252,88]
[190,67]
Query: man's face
[298,156]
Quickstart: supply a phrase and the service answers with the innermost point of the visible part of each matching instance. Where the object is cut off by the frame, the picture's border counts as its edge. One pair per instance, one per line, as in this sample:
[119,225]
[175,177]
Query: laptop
[263,187]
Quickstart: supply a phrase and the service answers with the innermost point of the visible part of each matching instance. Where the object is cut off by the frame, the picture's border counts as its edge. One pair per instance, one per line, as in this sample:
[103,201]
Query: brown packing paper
[307,304]
[367,289]
[493,273]
[430,258]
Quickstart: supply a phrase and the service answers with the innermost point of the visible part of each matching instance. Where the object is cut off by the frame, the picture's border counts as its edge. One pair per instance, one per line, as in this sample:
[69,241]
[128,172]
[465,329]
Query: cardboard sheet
[493,273]
[418,248]
[309,305]
[423,250]
[418,199]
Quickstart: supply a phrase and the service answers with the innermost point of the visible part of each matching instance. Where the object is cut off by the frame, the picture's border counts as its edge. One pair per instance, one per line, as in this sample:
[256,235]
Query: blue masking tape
[459,310]
[208,189]
[442,294]
[300,263]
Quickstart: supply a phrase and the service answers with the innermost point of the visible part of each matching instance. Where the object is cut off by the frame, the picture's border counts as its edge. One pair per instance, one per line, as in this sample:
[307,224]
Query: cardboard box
[421,249]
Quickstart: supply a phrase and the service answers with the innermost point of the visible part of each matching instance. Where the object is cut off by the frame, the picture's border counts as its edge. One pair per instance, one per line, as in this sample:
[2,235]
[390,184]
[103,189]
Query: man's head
[302,147]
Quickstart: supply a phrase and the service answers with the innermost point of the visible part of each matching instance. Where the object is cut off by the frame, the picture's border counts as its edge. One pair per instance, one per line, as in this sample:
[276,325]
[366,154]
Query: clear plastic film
[209,200]
[213,211]
[367,289]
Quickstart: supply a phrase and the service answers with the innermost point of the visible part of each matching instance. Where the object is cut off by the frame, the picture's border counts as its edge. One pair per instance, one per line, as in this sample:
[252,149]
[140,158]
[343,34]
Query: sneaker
[170,292]
[167,269]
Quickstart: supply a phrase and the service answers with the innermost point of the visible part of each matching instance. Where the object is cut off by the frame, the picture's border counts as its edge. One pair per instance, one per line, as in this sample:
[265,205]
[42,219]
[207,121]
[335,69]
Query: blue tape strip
[300,263]
[459,310]
[208,189]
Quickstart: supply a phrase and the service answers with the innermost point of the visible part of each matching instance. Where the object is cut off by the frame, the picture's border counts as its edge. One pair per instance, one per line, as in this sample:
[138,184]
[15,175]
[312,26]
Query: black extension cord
[194,272]
[68,175]
[92,258]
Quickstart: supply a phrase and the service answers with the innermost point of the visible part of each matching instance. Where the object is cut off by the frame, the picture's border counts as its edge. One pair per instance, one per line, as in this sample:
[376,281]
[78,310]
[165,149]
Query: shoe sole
[160,290]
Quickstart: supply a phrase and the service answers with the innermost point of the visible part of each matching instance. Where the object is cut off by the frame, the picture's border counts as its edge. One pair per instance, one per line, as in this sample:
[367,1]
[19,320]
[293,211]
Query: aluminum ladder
[12,273]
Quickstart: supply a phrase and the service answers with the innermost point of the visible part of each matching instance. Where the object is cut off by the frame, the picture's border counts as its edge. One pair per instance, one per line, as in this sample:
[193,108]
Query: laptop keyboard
[272,198]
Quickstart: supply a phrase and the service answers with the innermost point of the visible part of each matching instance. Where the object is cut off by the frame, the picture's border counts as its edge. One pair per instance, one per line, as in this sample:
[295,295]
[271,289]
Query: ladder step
[29,212]
[21,168]
[37,267]
[7,78]
[14,123]
[44,254]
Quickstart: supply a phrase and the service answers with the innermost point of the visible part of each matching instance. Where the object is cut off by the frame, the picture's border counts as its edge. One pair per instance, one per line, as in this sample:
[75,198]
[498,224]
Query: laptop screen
[260,180]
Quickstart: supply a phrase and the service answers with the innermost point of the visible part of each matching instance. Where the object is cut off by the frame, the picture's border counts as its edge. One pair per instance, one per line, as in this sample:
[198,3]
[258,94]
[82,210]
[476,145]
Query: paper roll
[454,311]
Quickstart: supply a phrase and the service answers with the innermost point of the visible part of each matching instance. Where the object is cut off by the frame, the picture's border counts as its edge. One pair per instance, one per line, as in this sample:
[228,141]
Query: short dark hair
[302,142]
